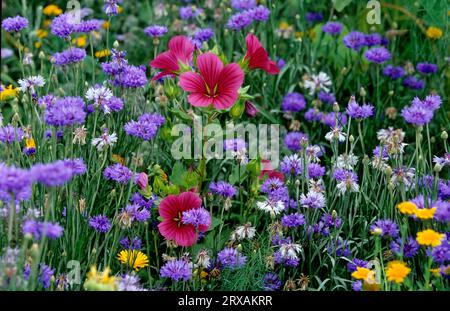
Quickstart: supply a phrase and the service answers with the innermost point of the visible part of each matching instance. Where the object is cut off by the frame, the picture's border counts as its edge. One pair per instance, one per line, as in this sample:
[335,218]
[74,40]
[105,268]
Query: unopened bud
[41,55]
[437,168]
[116,44]
[444,135]
[351,138]
[336,107]
[362,92]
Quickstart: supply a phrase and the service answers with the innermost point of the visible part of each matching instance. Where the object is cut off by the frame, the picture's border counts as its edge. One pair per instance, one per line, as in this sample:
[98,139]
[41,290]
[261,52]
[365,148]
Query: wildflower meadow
[236,145]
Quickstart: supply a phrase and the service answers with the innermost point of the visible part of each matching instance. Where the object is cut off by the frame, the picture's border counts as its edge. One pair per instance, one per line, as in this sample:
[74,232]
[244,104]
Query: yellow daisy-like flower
[9,93]
[38,44]
[434,33]
[425,213]
[105,25]
[80,41]
[52,9]
[436,272]
[102,53]
[100,281]
[429,237]
[407,208]
[133,258]
[361,273]
[397,271]
[30,143]
[41,33]
[283,26]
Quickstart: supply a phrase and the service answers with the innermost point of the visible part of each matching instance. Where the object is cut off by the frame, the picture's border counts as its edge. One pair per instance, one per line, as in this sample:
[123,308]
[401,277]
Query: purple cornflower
[117,65]
[14,182]
[56,173]
[355,40]
[131,77]
[118,173]
[339,247]
[203,35]
[374,39]
[113,104]
[63,25]
[291,165]
[135,243]
[293,220]
[314,17]
[385,228]
[189,12]
[67,57]
[426,68]
[239,21]
[66,111]
[286,261]
[196,217]
[444,192]
[77,166]
[313,115]
[393,72]
[230,258]
[155,31]
[14,24]
[176,270]
[378,55]
[332,28]
[135,212]
[111,7]
[413,83]
[431,102]
[293,102]
[138,199]
[46,100]
[271,282]
[88,26]
[406,249]
[45,275]
[234,144]
[330,220]
[417,115]
[332,120]
[315,170]
[145,127]
[443,209]
[352,265]
[294,140]
[359,112]
[313,200]
[357,286]
[41,229]
[328,98]
[242,5]
[441,253]
[223,189]
[100,223]
[271,184]
[259,14]
[10,134]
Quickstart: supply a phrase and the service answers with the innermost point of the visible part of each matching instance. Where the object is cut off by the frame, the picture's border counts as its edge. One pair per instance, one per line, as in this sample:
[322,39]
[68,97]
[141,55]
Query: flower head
[429,237]
[397,271]
[14,24]
[133,258]
[257,56]
[176,270]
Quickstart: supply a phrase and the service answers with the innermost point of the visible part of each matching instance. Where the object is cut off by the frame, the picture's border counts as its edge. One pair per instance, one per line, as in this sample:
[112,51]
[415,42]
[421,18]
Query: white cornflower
[403,176]
[203,259]
[272,207]
[290,250]
[99,95]
[316,83]
[335,134]
[346,161]
[30,83]
[79,135]
[348,184]
[243,232]
[313,200]
[104,141]
[312,153]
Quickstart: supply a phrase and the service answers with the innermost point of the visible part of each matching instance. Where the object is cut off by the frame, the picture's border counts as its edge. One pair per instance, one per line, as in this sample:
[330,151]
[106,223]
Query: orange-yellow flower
[102,53]
[434,33]
[425,213]
[133,258]
[52,9]
[361,273]
[429,237]
[397,271]
[407,207]
[9,92]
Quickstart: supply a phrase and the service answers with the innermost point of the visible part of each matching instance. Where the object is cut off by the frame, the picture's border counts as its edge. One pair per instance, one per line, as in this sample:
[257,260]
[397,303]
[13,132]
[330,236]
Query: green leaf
[340,5]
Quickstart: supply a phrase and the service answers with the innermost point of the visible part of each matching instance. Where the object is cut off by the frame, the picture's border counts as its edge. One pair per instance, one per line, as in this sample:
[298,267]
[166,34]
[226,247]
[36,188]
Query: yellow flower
[38,44]
[407,207]
[102,53]
[434,33]
[105,25]
[29,143]
[80,41]
[361,273]
[9,93]
[41,33]
[133,258]
[119,9]
[436,272]
[425,213]
[100,281]
[118,159]
[47,23]
[283,26]
[429,237]
[397,271]
[52,9]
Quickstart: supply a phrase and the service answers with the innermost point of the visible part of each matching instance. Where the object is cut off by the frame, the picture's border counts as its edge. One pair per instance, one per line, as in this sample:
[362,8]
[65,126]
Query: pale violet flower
[290,250]
[346,161]
[336,133]
[243,232]
[316,83]
[104,141]
[271,206]
[29,84]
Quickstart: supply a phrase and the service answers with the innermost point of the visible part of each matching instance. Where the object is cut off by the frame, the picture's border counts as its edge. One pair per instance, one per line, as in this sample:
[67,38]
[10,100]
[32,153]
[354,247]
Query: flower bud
[444,135]
[250,109]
